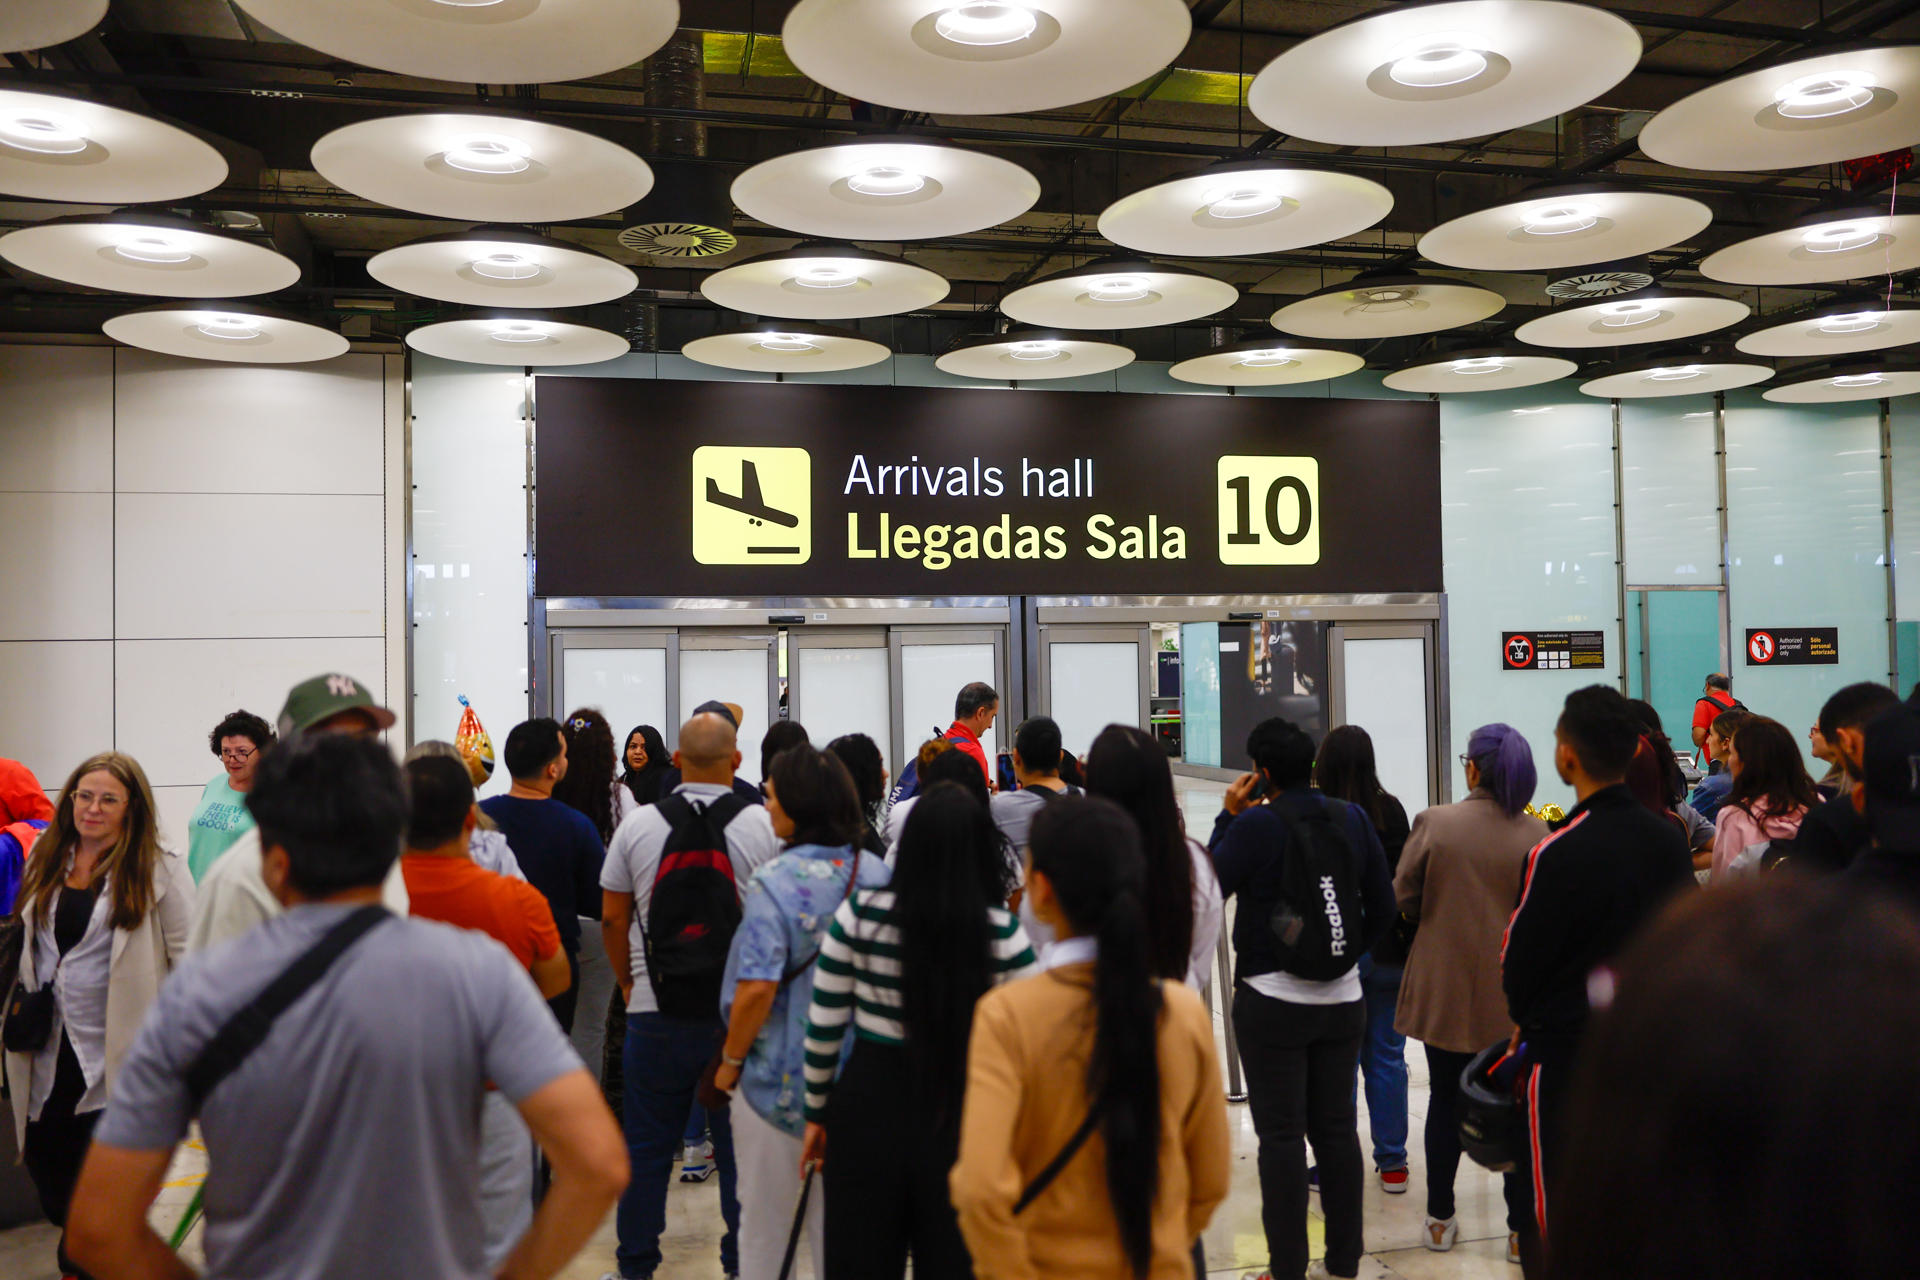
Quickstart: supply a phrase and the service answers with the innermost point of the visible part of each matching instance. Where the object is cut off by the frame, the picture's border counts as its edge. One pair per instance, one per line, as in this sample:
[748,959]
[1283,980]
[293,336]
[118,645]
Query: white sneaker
[1441,1235]
[1317,1270]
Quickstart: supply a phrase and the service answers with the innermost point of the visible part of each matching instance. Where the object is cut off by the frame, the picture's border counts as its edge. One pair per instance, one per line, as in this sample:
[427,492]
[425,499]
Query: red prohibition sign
[1761,647]
[1519,651]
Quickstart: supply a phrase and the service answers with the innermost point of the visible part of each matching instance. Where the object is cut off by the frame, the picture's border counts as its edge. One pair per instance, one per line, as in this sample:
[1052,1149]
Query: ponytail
[1505,761]
[1089,850]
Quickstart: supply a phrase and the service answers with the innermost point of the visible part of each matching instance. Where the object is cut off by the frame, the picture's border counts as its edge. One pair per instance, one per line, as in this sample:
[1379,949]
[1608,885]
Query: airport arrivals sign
[764,489]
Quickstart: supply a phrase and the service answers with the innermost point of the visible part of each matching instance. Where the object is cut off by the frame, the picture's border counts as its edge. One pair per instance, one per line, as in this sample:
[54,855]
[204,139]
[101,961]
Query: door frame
[901,638]
[1438,773]
[1139,633]
[550,693]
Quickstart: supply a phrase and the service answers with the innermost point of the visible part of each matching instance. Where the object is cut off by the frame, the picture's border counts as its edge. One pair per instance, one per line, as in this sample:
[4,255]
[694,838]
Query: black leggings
[1444,1069]
[886,1176]
[56,1146]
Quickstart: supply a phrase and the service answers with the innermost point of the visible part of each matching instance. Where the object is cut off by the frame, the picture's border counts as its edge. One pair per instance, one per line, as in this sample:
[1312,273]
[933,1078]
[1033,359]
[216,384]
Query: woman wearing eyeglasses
[221,817]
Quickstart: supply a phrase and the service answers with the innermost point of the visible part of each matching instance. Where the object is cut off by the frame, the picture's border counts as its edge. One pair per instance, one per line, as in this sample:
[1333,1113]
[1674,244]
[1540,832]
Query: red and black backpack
[695,907]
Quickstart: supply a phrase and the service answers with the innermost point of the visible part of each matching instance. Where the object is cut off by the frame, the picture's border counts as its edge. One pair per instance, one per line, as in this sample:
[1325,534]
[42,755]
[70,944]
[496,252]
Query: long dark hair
[869,773]
[1771,775]
[1344,768]
[814,789]
[780,735]
[1129,768]
[948,874]
[1672,780]
[1088,848]
[588,785]
[643,784]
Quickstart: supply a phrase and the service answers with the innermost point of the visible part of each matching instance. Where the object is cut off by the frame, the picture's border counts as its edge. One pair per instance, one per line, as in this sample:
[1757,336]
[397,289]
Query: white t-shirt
[633,859]
[233,896]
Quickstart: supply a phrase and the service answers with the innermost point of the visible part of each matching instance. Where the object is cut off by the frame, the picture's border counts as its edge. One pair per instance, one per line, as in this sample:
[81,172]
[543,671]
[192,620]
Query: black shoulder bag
[1044,1179]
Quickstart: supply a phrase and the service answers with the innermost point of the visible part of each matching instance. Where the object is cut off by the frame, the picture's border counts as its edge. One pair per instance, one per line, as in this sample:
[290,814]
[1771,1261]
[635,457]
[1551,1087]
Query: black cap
[720,709]
[1891,774]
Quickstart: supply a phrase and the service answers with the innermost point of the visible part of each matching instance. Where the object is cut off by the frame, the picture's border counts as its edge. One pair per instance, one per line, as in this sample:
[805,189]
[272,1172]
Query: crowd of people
[961,1025]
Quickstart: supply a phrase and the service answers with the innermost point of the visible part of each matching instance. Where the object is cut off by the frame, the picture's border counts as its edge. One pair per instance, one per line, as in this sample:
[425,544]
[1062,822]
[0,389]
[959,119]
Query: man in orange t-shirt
[444,883]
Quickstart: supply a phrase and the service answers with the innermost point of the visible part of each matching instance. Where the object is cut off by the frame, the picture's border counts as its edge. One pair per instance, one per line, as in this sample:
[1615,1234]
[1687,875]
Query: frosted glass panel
[931,675]
[1683,641]
[1906,507]
[837,691]
[1090,686]
[629,685]
[1200,693]
[1386,694]
[738,676]
[1670,492]
[1806,537]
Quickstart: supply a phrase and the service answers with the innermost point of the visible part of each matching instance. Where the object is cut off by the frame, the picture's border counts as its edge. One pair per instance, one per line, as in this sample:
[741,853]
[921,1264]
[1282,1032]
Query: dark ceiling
[264,101]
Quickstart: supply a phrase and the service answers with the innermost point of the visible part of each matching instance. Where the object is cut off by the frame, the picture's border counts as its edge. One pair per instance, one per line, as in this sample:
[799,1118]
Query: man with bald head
[670,1042]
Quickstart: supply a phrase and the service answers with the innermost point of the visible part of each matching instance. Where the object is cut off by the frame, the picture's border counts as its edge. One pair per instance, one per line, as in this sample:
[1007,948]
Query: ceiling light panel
[824,282]
[1118,293]
[1680,375]
[1262,362]
[891,190]
[1841,383]
[1844,244]
[1429,73]
[1567,226]
[1480,369]
[483,168]
[41,24]
[1650,315]
[1246,207]
[510,338]
[237,333]
[1387,306]
[1815,110]
[789,348]
[1033,355]
[502,267]
[1846,327]
[59,148]
[983,57]
[150,253]
[477,41]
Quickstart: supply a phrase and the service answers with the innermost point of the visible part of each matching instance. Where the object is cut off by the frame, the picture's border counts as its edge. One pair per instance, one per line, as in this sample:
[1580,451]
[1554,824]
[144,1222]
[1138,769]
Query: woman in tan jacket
[1460,878]
[1093,1071]
[106,911]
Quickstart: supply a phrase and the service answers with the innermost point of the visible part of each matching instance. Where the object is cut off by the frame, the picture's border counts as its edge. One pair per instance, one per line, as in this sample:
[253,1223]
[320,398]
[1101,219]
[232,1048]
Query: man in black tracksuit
[1588,887]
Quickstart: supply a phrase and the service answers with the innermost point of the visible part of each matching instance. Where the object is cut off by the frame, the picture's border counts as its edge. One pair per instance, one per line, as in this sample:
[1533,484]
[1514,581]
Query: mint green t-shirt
[218,820]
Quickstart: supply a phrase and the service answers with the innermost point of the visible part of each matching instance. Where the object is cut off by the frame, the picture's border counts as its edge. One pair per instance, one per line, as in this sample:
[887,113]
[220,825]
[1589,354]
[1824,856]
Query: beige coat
[1460,878]
[142,958]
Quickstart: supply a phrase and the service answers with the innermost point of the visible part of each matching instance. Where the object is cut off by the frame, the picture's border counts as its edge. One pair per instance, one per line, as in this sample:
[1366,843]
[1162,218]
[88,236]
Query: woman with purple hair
[1459,878]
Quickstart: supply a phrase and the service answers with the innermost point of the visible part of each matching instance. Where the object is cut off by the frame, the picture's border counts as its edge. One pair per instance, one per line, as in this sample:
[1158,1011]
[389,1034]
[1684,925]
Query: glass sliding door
[1094,677]
[1382,677]
[839,683]
[737,668]
[930,667]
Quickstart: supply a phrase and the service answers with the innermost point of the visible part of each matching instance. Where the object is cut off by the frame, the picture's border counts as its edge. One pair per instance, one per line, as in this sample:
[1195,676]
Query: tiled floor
[1234,1241]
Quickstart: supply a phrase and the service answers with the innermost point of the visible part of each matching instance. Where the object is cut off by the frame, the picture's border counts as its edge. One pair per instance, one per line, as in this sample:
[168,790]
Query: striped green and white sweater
[857,980]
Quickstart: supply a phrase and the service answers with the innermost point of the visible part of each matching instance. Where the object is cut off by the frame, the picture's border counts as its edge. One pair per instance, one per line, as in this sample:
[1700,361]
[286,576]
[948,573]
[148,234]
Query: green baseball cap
[317,699]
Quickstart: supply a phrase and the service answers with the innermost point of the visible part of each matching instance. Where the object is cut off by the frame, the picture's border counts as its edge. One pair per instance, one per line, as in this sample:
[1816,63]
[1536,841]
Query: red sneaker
[1393,1181]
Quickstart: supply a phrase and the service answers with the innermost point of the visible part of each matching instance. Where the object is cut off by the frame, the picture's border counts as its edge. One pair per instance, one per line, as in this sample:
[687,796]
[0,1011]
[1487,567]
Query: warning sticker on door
[1553,650]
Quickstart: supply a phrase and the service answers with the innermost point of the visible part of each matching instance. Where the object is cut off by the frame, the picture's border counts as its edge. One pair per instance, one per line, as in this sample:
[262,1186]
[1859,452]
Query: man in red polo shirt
[1717,699]
[973,714]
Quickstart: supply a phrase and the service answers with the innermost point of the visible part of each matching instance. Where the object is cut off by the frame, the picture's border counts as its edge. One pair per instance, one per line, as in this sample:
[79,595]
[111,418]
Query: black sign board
[1793,646]
[1553,650]
[763,489]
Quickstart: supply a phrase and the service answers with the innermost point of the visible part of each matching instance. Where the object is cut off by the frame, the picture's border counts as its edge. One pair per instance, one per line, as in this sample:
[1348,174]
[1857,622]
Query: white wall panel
[250,565]
[56,418]
[187,426]
[175,806]
[56,576]
[58,708]
[169,693]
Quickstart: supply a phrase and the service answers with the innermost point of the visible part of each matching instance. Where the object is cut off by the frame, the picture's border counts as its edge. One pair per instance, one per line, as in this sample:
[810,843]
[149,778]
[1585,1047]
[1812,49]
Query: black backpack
[695,907]
[1317,920]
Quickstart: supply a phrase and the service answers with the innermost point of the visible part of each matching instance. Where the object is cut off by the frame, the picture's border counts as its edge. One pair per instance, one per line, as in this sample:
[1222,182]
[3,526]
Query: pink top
[1734,829]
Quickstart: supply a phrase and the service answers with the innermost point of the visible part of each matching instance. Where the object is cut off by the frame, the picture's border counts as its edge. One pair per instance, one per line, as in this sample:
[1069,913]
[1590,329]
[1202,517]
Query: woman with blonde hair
[106,912]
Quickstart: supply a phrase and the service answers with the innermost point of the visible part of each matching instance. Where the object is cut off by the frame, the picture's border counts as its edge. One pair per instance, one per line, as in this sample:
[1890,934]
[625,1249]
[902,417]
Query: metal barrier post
[1223,973]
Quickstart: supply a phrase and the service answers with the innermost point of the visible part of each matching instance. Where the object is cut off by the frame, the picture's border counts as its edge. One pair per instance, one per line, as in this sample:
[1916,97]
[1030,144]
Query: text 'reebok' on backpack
[1317,920]
[694,909]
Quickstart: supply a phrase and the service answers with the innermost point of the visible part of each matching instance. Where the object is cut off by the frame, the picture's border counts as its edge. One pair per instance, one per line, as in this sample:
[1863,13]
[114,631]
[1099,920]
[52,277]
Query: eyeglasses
[239,755]
[104,799]
[1465,759]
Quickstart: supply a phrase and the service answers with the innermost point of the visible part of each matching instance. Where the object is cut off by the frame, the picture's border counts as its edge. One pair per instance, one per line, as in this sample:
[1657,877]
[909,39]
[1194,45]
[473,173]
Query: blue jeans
[663,1062]
[1383,1065]
[696,1126]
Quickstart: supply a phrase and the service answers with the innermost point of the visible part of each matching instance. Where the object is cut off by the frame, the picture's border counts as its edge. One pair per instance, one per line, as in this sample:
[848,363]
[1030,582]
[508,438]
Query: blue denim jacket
[789,903]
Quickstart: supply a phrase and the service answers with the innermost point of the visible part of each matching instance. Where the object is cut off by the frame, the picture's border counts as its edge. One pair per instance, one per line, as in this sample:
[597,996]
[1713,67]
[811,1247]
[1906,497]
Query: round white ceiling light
[137,251]
[1820,109]
[1566,226]
[1263,362]
[1818,248]
[1843,326]
[983,57]
[1252,206]
[516,338]
[1868,379]
[1647,315]
[885,190]
[1118,293]
[786,347]
[41,24]
[502,267]
[1686,374]
[821,281]
[484,168]
[478,41]
[1032,355]
[1424,73]
[1479,369]
[1387,305]
[237,332]
[59,148]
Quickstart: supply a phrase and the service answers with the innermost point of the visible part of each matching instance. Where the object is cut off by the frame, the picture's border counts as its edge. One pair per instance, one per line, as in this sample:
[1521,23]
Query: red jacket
[963,739]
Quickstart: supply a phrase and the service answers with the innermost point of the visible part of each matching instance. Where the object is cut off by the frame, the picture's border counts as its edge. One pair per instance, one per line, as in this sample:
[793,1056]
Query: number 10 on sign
[1269,510]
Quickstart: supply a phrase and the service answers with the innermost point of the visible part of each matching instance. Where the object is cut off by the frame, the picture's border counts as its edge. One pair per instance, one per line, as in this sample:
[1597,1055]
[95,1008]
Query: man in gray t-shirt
[347,1142]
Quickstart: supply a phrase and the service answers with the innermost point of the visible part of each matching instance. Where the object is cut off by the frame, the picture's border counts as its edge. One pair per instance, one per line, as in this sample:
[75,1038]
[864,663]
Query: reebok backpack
[1317,920]
[694,909]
